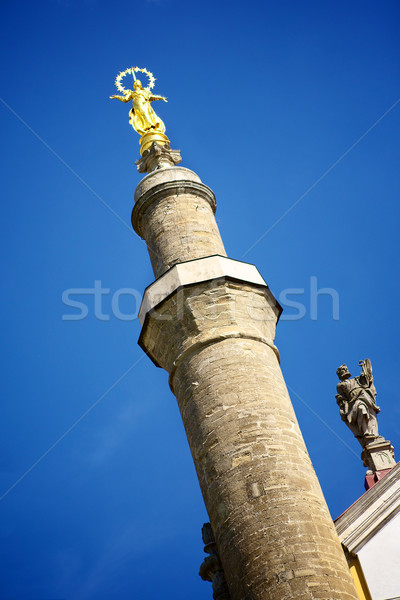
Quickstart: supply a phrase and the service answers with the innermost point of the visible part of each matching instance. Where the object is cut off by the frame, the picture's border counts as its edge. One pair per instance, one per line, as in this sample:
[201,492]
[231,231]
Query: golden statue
[142,116]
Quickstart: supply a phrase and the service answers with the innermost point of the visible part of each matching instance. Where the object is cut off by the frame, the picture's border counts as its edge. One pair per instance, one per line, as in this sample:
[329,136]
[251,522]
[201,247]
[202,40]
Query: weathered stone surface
[196,271]
[164,176]
[273,531]
[205,313]
[259,487]
[174,213]
[222,417]
[378,455]
[158,157]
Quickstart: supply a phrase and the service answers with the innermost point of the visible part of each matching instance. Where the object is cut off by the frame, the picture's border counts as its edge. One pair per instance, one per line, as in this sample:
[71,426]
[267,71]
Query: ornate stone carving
[211,568]
[356,398]
[356,401]
[157,157]
[378,455]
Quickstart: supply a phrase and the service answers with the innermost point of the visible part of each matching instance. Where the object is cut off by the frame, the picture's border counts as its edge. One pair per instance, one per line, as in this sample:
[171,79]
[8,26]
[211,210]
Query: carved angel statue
[142,116]
[356,401]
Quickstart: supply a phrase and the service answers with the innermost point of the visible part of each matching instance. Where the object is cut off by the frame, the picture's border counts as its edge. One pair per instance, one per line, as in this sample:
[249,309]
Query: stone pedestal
[378,457]
[210,322]
[158,157]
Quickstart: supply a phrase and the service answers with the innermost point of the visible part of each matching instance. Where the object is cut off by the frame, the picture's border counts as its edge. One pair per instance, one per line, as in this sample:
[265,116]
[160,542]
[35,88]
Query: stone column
[210,322]
[174,213]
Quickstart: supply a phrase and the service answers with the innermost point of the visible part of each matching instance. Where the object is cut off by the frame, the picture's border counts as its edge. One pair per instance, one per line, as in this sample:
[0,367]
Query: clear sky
[271,103]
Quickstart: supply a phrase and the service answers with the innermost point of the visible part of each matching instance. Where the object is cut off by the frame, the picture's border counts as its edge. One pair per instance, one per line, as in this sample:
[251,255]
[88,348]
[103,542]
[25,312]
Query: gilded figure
[142,116]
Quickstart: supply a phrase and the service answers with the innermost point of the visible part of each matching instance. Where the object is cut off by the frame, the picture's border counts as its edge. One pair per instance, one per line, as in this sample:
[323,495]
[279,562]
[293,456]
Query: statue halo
[134,70]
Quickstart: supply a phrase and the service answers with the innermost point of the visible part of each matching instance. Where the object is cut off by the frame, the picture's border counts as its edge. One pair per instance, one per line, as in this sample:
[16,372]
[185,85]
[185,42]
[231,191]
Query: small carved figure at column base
[158,157]
[211,568]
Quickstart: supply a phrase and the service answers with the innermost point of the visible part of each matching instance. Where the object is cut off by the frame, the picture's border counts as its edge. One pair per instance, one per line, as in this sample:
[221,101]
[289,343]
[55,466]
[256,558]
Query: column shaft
[174,213]
[273,531]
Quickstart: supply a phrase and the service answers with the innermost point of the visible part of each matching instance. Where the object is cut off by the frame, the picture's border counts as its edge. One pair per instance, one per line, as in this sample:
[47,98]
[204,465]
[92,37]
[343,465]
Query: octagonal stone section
[202,302]
[196,271]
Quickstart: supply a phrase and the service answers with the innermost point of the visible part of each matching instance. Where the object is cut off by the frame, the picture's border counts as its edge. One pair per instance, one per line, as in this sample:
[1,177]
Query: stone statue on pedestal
[356,401]
[356,398]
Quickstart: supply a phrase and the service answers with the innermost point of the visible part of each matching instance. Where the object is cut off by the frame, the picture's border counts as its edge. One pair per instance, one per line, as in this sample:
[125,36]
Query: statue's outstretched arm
[121,98]
[157,98]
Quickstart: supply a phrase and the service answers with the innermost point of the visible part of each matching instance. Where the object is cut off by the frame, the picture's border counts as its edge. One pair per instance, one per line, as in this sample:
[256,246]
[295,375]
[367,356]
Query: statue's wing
[368,369]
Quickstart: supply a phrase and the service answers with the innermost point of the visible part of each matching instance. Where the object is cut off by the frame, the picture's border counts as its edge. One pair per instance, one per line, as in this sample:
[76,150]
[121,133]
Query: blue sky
[266,100]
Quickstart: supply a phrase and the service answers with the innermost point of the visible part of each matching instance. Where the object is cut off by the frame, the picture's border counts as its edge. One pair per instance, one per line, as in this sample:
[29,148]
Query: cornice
[200,270]
[370,513]
[165,189]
